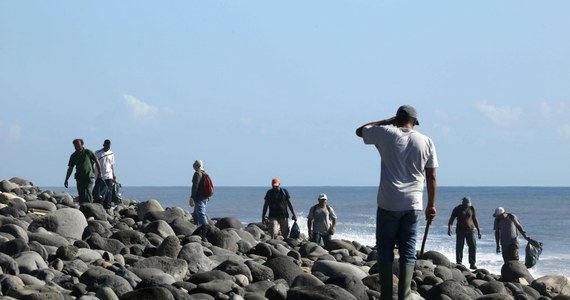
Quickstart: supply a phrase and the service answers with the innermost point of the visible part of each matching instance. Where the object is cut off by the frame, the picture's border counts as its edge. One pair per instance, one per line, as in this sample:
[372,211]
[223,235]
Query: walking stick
[424,240]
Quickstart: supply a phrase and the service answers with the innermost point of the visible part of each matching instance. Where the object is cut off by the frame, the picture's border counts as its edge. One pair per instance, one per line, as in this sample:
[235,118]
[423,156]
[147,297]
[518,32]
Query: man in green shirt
[83,159]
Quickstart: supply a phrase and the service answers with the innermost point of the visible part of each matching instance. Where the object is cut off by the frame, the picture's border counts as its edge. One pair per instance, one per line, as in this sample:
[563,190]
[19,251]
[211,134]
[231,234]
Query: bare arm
[265,205]
[450,222]
[497,238]
[431,183]
[98,164]
[290,204]
[476,222]
[67,175]
[389,121]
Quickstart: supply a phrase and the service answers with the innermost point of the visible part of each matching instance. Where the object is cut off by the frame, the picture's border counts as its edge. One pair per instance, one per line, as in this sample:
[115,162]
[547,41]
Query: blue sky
[263,89]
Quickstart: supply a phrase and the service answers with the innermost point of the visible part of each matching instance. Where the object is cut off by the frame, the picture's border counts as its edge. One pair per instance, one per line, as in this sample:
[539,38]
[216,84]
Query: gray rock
[323,292]
[350,283]
[159,227]
[168,215]
[29,261]
[334,269]
[209,276]
[197,261]
[277,292]
[16,231]
[93,210]
[450,288]
[493,287]
[178,268]
[148,293]
[170,247]
[66,252]
[151,205]
[496,297]
[552,286]
[216,286]
[41,205]
[229,222]
[284,268]
[259,272]
[152,277]
[306,280]
[14,247]
[130,237]
[102,228]
[438,259]
[48,238]
[235,267]
[514,270]
[183,227]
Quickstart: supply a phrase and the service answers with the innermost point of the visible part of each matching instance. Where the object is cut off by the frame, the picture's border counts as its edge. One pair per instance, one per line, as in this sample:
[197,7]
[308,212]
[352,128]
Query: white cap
[323,196]
[498,211]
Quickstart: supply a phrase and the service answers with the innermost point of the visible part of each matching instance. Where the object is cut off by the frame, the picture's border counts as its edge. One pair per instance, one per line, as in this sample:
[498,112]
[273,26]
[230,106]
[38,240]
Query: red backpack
[206,187]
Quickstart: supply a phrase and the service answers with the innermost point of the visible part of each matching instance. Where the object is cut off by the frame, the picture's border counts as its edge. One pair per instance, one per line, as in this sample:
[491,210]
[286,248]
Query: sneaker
[473,267]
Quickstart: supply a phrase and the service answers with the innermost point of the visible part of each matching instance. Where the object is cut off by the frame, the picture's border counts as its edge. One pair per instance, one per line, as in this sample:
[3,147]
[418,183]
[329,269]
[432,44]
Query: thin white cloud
[141,111]
[500,115]
[565,130]
[10,132]
[545,110]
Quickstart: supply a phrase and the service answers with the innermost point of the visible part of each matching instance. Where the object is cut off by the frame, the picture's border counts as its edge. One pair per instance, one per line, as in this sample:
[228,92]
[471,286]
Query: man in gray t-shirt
[318,223]
[506,229]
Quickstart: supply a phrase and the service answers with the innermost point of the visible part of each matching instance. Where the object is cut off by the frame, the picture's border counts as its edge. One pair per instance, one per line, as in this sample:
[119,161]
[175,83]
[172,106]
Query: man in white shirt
[408,159]
[106,158]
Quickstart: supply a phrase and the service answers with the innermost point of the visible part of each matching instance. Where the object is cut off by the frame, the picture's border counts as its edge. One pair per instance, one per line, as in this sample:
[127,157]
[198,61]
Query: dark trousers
[462,237]
[108,200]
[85,190]
[510,252]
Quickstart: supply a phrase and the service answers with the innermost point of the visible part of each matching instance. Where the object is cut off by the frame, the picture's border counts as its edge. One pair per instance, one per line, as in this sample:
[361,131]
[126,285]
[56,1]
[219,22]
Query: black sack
[295,232]
[532,253]
[117,195]
[100,190]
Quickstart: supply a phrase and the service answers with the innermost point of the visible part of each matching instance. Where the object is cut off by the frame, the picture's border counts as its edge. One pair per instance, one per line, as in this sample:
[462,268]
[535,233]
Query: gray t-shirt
[508,229]
[405,154]
[321,217]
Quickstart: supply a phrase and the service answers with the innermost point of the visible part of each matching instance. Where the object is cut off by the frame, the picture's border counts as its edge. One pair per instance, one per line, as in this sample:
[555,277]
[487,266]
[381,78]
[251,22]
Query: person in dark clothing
[277,200]
[83,160]
[507,227]
[465,230]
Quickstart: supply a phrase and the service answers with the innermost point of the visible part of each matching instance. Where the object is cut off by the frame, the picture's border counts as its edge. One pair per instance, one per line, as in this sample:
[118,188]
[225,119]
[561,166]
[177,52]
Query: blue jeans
[396,228]
[461,238]
[199,213]
[108,200]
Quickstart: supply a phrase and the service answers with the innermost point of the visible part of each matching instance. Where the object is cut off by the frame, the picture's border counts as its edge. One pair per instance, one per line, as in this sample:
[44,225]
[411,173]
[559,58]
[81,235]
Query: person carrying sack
[318,221]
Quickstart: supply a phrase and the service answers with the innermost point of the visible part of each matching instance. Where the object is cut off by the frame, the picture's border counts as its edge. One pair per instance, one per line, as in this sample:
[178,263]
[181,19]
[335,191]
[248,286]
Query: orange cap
[275,182]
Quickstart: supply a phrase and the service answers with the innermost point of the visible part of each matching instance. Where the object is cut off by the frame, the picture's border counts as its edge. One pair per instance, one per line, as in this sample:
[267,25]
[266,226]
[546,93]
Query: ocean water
[543,211]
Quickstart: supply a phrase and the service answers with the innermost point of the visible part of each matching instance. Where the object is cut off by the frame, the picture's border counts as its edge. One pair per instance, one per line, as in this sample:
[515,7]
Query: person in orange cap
[277,199]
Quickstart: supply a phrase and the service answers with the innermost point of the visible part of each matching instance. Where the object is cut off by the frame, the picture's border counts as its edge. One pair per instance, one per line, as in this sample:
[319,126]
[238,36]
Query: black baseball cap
[408,111]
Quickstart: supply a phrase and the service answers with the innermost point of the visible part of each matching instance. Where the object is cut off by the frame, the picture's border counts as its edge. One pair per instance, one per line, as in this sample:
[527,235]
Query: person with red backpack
[202,189]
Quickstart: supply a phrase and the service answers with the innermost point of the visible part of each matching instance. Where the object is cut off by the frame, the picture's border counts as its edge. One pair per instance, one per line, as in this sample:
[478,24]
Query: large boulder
[178,268]
[322,292]
[193,254]
[70,222]
[151,205]
[284,268]
[336,269]
[552,286]
[513,271]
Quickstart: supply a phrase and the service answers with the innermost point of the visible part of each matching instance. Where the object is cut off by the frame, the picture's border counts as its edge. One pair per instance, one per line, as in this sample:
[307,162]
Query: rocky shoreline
[53,248]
